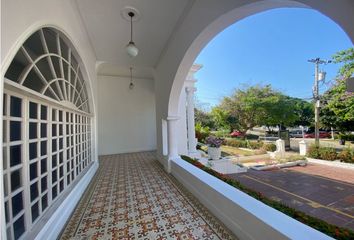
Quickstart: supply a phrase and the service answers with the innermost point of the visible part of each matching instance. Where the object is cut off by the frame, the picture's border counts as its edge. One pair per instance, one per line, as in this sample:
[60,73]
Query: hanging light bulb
[132,50]
[131,85]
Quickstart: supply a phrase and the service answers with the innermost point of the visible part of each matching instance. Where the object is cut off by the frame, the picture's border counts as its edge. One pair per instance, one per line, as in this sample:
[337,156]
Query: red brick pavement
[336,173]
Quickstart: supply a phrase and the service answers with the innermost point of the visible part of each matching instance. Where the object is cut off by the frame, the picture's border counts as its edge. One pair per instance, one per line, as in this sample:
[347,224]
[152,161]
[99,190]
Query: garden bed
[330,154]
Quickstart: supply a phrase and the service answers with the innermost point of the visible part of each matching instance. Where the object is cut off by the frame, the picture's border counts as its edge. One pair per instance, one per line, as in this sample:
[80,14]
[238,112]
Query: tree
[304,111]
[220,117]
[203,118]
[258,105]
[280,110]
[338,104]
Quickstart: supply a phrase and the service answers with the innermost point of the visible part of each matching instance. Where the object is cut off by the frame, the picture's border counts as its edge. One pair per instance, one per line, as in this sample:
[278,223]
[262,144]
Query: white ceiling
[109,33]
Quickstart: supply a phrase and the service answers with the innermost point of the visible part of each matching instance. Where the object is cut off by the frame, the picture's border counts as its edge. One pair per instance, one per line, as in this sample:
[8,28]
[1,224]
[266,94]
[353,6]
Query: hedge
[243,143]
[347,137]
[339,233]
[328,153]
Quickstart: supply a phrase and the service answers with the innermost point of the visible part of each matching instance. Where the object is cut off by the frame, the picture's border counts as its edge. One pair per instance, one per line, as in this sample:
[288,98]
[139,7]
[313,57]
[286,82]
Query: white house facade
[66,100]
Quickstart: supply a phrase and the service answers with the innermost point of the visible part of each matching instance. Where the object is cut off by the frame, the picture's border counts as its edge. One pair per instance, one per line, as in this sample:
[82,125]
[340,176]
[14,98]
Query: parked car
[322,134]
[237,134]
[295,134]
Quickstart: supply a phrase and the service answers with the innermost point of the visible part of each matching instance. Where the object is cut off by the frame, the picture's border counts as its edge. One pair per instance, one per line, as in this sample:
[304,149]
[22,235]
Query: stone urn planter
[214,153]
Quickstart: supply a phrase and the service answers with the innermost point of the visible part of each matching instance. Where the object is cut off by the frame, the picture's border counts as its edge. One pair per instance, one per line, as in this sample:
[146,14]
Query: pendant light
[132,50]
[131,85]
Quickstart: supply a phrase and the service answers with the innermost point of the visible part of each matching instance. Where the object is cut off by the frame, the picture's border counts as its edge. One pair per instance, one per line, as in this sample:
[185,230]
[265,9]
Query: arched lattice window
[46,64]
[46,130]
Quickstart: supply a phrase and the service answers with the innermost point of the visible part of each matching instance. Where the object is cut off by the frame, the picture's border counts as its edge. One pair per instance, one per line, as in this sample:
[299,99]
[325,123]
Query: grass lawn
[232,151]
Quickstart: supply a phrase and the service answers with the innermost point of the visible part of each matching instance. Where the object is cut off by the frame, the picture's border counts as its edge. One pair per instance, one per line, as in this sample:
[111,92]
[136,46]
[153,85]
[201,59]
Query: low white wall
[126,117]
[332,163]
[245,216]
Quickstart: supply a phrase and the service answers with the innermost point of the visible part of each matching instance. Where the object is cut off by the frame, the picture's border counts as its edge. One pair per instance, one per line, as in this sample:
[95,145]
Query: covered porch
[132,197]
[86,156]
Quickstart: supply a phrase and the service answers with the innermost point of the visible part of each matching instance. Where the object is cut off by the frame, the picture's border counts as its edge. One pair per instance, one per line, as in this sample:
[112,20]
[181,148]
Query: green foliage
[347,155]
[201,132]
[328,153]
[205,119]
[257,105]
[251,137]
[338,104]
[222,133]
[280,110]
[346,57]
[304,111]
[235,143]
[325,153]
[347,137]
[313,152]
[269,147]
[254,145]
[329,229]
[295,157]
[220,117]
[243,143]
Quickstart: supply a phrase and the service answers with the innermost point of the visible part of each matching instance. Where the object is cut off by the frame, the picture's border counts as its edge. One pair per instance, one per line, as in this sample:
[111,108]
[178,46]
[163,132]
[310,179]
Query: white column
[172,140]
[192,143]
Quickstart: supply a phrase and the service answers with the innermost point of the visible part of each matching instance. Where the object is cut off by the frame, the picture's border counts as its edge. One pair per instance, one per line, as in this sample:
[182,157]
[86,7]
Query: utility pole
[319,76]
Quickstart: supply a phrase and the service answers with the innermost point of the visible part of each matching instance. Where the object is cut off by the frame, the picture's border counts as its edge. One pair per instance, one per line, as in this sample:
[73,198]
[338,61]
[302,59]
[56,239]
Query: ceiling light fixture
[132,50]
[131,85]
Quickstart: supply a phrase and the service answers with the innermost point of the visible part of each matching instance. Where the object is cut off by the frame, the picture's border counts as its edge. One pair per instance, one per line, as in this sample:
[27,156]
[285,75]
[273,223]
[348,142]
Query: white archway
[204,20]
[222,22]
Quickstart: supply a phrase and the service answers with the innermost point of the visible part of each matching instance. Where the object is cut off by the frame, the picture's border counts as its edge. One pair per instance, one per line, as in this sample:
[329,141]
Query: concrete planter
[214,153]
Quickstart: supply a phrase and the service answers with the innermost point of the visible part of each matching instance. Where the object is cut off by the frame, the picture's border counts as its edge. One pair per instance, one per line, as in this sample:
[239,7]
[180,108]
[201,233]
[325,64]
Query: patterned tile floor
[131,197]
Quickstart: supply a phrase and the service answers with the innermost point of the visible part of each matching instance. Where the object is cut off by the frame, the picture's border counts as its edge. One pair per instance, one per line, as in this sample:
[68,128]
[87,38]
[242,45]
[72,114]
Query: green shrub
[269,147]
[313,152]
[327,153]
[235,143]
[296,157]
[346,155]
[252,137]
[347,137]
[201,132]
[221,133]
[243,143]
[254,145]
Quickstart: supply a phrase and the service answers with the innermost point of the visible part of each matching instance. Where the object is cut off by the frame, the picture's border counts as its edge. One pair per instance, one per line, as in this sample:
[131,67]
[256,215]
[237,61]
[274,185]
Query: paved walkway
[334,173]
[324,198]
[131,197]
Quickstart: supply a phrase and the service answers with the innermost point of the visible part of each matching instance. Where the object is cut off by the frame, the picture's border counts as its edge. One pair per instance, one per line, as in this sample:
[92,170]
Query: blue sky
[271,47]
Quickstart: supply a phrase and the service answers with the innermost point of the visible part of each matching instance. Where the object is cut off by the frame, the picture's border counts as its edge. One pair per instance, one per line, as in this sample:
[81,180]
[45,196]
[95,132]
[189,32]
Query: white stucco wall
[126,118]
[19,19]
